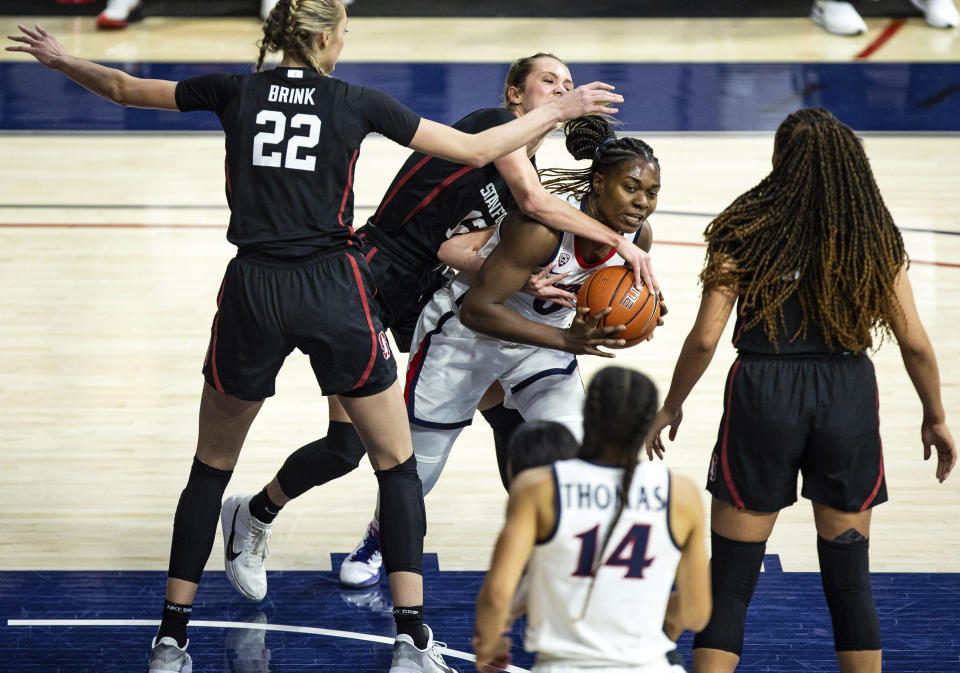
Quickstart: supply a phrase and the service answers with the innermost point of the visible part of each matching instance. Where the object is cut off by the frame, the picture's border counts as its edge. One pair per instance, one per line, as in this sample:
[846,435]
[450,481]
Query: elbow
[469,313]
[702,345]
[917,350]
[118,94]
[535,203]
[479,159]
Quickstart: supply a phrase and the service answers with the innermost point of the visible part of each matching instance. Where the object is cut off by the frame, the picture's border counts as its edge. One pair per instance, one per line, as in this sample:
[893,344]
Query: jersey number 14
[630,553]
[291,157]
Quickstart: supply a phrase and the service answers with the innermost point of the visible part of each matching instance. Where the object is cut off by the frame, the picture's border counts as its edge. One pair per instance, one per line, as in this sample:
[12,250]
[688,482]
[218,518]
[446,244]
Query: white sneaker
[939,13]
[245,548]
[168,657]
[839,18]
[362,567]
[408,658]
[117,13]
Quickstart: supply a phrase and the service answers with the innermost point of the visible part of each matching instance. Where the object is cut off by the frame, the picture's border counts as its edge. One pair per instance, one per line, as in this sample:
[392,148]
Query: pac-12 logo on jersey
[384,345]
[712,475]
[563,259]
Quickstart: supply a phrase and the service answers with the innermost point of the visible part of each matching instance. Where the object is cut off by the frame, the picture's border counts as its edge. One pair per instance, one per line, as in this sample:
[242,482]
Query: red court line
[882,39]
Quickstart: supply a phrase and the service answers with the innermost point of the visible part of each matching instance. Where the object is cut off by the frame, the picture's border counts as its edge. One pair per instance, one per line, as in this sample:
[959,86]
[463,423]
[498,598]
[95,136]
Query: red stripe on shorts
[213,341]
[737,500]
[346,192]
[373,333]
[876,487]
[226,174]
[412,369]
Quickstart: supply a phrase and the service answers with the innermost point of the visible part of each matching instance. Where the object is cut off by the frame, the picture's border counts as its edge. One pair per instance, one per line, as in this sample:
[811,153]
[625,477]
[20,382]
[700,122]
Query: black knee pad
[195,523]
[321,461]
[845,573]
[503,422]
[403,519]
[734,570]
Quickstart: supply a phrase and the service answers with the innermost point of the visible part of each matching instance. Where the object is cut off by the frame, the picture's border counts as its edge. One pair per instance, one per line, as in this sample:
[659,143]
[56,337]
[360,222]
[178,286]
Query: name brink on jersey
[283,94]
[584,495]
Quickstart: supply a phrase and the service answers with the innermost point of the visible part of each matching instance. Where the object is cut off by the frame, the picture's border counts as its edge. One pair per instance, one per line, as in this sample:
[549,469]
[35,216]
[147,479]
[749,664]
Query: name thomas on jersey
[586,495]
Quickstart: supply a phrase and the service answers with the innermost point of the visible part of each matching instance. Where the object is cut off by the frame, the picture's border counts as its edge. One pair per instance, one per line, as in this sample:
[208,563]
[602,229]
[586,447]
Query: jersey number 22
[278,120]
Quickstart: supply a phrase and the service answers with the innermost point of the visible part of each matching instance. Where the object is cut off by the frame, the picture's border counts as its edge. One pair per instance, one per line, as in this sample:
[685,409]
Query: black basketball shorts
[322,305]
[401,294]
[814,415]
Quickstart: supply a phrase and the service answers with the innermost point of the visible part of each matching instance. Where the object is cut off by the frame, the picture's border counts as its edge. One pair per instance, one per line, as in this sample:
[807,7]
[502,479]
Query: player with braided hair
[816,267]
[586,529]
[499,333]
[299,280]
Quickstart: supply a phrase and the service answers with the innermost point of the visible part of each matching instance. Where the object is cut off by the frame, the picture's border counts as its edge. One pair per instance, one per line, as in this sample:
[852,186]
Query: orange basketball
[634,307]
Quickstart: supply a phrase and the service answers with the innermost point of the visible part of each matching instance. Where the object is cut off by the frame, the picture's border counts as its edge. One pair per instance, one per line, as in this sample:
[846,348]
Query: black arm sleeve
[376,111]
[206,92]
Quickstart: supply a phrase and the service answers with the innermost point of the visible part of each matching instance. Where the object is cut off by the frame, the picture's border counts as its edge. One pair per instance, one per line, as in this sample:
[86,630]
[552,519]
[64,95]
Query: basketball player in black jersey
[434,212]
[815,264]
[299,280]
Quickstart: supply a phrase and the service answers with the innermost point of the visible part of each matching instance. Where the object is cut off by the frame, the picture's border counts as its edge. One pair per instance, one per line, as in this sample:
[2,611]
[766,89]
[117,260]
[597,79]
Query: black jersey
[292,141]
[431,199]
[754,341]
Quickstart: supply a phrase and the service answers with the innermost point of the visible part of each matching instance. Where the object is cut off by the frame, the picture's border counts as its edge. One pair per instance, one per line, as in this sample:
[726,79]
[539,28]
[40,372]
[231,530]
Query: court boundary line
[205,623]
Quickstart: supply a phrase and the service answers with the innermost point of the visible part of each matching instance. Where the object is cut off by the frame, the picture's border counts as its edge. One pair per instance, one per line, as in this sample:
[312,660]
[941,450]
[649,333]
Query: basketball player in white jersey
[600,566]
[525,343]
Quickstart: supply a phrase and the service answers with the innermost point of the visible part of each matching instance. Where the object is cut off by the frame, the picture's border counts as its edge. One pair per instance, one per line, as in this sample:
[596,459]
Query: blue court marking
[659,96]
[307,622]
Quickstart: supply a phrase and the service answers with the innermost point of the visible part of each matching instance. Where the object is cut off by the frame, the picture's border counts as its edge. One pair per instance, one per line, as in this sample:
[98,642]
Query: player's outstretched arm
[698,348]
[479,149]
[110,83]
[921,365]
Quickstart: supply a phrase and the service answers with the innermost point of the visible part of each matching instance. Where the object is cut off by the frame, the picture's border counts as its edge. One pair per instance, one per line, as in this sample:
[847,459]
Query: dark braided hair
[815,227]
[539,443]
[291,26]
[518,73]
[591,137]
[620,406]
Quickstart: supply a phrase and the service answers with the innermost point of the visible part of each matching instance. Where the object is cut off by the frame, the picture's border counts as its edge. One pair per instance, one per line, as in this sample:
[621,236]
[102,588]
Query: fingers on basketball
[610,291]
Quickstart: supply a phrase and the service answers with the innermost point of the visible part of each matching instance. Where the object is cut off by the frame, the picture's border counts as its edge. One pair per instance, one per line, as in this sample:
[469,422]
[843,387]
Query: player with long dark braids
[585,607]
[813,260]
[292,137]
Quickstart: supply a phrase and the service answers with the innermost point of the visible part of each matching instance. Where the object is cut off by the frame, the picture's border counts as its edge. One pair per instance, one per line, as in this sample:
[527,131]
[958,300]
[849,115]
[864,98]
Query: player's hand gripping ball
[636,308]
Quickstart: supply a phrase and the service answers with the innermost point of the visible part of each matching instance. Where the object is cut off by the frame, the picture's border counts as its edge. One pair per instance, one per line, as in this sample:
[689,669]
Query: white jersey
[566,258]
[622,626]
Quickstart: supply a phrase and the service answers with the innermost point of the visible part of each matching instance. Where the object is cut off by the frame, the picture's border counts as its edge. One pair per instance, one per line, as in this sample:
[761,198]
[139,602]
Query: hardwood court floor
[111,252]
[107,308]
[113,249]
